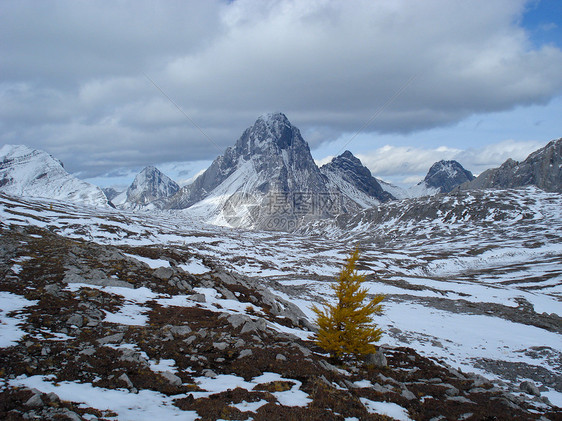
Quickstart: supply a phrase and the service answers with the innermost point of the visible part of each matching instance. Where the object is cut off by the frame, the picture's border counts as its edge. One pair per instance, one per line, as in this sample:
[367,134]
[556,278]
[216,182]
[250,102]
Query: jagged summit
[270,158]
[33,173]
[149,186]
[542,168]
[352,178]
[269,174]
[446,175]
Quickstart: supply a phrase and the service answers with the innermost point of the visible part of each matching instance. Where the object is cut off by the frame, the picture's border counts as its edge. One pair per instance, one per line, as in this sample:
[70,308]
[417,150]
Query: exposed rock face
[33,173]
[110,192]
[149,186]
[543,168]
[354,180]
[267,180]
[273,155]
[444,176]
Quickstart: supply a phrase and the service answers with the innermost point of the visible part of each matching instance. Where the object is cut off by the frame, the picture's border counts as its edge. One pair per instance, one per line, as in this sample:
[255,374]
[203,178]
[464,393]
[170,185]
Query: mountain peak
[148,186]
[446,175]
[31,172]
[271,128]
[351,170]
[269,118]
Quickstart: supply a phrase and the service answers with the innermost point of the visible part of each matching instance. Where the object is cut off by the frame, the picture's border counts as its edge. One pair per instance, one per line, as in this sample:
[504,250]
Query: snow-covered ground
[468,292]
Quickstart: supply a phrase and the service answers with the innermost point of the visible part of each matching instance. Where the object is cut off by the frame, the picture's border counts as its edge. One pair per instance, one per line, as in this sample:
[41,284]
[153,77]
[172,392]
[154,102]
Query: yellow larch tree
[347,328]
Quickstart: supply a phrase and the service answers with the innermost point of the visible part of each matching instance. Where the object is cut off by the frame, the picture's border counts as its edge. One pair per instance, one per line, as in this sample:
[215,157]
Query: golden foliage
[347,327]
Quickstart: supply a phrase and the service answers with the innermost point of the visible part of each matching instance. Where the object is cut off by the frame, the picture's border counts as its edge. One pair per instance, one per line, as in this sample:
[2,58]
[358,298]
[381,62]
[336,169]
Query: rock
[34,401]
[184,285]
[53,397]
[259,325]
[530,388]
[163,273]
[377,359]
[198,298]
[124,378]
[133,356]
[115,338]
[460,399]
[53,289]
[407,394]
[209,373]
[280,357]
[237,320]
[172,378]
[75,320]
[180,330]
[88,351]
[245,353]
[72,416]
[190,340]
[381,389]
[220,345]
[451,390]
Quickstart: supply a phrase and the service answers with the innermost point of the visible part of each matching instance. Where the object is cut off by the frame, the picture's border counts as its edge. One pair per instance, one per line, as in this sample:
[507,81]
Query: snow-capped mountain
[148,187]
[348,175]
[268,179]
[34,173]
[444,176]
[542,168]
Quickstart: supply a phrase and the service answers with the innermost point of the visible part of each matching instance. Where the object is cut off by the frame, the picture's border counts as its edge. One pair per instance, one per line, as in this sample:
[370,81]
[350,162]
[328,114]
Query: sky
[109,87]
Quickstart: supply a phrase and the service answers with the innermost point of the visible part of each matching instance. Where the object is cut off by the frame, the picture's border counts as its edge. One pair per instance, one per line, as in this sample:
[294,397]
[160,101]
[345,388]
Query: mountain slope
[34,173]
[542,168]
[149,186]
[268,179]
[347,174]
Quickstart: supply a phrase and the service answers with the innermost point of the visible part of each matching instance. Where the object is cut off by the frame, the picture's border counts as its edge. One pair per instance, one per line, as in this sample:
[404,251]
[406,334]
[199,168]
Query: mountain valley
[195,302]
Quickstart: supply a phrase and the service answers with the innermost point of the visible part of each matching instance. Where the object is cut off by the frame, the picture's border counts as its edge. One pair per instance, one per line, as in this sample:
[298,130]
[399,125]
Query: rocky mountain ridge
[347,174]
[542,168]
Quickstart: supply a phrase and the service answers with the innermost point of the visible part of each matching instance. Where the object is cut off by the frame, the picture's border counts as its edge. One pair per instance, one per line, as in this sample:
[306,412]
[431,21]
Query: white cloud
[411,164]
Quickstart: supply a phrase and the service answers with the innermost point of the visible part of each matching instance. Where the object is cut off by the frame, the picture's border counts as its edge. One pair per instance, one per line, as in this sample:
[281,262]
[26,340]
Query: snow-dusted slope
[148,187]
[346,174]
[268,180]
[473,279]
[34,173]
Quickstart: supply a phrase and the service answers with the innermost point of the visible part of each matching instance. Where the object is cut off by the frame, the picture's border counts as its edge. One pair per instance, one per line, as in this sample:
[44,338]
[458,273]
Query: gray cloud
[73,84]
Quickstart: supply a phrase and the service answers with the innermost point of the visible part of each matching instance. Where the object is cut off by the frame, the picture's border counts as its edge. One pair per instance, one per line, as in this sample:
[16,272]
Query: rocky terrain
[114,315]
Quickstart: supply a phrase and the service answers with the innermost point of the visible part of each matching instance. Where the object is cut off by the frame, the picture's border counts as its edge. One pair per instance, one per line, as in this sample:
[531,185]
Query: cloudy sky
[400,83]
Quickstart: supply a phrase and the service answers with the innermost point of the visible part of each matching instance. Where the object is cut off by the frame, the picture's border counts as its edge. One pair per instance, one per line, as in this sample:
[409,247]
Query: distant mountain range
[269,180]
